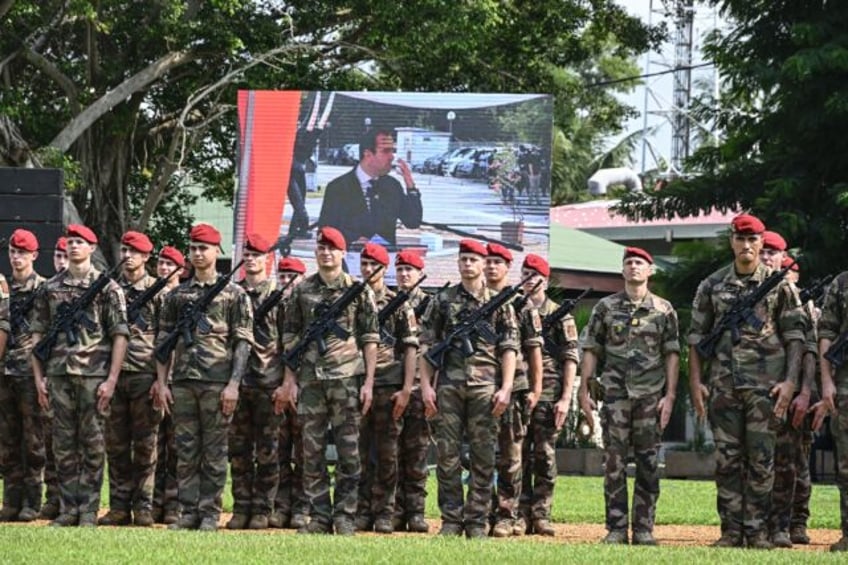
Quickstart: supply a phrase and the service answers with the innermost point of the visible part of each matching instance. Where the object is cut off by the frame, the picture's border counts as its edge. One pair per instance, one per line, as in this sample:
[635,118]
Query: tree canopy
[135,99]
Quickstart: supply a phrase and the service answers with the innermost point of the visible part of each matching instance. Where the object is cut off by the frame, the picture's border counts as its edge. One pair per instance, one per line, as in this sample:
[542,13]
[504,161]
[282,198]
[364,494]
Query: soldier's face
[328,257]
[771,258]
[286,276]
[470,266]
[636,269]
[254,262]
[165,267]
[406,276]
[79,250]
[135,259]
[60,260]
[746,248]
[367,267]
[21,259]
[203,255]
[379,161]
[496,270]
[792,276]
[530,287]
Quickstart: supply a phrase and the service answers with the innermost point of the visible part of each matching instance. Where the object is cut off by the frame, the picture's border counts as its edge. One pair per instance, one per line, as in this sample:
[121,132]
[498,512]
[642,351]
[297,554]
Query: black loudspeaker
[32,199]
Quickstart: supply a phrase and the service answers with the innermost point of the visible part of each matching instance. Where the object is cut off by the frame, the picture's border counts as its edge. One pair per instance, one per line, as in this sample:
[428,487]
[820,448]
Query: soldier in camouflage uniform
[393,378]
[833,325]
[514,422]
[254,432]
[330,392]
[22,451]
[468,399]
[291,508]
[414,441]
[166,502]
[133,421]
[205,381]
[60,254]
[559,367]
[71,382]
[636,332]
[743,378]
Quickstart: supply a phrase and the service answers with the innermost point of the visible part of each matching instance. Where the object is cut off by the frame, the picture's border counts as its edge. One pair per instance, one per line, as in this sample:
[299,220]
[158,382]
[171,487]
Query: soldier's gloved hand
[401,401]
[366,392]
[104,395]
[561,409]
[587,406]
[783,393]
[229,399]
[799,408]
[501,402]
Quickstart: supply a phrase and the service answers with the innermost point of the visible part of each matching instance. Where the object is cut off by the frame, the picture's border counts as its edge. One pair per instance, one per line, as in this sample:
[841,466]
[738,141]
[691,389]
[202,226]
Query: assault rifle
[71,315]
[193,317]
[815,290]
[422,306]
[389,310]
[837,351]
[135,308]
[326,322]
[741,311]
[259,332]
[18,315]
[474,324]
[564,309]
[519,303]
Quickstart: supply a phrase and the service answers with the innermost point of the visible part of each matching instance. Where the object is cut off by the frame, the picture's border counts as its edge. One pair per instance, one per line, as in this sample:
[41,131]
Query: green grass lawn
[578,500]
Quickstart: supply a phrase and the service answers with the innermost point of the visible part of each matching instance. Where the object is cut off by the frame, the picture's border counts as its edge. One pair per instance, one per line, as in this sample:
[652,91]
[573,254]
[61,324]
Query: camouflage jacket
[92,354]
[633,341]
[139,357]
[560,346]
[210,357]
[19,355]
[444,313]
[266,364]
[404,328]
[759,359]
[530,334]
[834,322]
[4,314]
[343,358]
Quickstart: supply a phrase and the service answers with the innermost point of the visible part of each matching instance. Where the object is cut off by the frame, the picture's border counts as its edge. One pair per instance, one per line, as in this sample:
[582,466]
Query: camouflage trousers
[539,462]
[166,492]
[465,411]
[413,447]
[201,429]
[290,499]
[839,429]
[741,422]
[631,423]
[78,441]
[378,450]
[803,480]
[51,476]
[131,431]
[253,441]
[22,452]
[787,452]
[511,433]
[333,403]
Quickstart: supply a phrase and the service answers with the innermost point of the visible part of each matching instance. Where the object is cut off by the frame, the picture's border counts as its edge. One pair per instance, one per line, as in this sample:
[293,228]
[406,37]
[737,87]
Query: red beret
[291,264]
[62,244]
[498,250]
[24,239]
[774,240]
[409,257]
[376,252]
[638,252]
[789,261]
[137,241]
[471,246]
[172,254]
[747,224]
[79,230]
[332,236]
[255,242]
[538,264]
[204,233]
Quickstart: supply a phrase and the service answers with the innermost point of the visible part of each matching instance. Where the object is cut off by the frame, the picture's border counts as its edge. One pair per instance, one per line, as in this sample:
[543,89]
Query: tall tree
[135,99]
[783,113]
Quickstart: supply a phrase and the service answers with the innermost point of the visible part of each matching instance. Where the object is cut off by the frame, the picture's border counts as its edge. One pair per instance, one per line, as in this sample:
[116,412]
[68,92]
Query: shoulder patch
[536,319]
[570,330]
